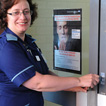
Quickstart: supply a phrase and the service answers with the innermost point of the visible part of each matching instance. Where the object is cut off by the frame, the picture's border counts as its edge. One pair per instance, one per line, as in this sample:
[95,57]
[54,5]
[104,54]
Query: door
[102,68]
[97,57]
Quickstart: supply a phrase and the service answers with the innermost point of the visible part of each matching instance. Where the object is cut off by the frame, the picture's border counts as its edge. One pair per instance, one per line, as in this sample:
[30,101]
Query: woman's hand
[78,89]
[89,80]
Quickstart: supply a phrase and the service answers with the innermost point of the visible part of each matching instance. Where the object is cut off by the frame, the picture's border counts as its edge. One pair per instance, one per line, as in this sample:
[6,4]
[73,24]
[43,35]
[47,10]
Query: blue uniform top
[19,61]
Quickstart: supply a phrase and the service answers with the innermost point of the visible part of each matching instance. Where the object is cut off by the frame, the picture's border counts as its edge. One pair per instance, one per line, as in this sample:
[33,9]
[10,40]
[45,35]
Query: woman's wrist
[79,81]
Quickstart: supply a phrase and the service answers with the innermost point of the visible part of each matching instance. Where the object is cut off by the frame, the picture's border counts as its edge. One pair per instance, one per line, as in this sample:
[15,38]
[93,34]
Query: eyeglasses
[18,13]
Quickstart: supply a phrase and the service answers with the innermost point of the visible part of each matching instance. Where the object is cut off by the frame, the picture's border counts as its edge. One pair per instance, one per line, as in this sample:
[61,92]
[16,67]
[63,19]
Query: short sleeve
[15,63]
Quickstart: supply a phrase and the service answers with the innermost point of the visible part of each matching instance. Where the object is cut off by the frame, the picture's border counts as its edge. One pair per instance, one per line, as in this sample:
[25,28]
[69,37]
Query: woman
[23,71]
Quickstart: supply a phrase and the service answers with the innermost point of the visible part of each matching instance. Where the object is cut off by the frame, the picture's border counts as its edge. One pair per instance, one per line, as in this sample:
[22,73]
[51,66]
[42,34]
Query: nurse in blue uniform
[24,74]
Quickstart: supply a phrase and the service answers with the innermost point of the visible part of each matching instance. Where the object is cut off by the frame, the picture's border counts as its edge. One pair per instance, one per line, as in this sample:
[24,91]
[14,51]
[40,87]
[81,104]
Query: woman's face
[19,22]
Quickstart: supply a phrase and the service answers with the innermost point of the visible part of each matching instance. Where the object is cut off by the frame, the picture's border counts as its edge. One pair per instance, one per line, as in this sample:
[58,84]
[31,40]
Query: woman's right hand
[89,80]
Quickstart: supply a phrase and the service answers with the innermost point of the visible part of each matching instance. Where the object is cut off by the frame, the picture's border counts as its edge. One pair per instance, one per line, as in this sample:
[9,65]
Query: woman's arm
[75,89]
[55,83]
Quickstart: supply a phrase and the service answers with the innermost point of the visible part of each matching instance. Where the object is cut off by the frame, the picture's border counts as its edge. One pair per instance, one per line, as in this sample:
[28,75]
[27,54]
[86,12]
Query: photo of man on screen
[64,39]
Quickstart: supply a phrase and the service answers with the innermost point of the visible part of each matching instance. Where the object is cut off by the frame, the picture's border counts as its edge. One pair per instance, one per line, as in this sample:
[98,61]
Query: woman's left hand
[78,89]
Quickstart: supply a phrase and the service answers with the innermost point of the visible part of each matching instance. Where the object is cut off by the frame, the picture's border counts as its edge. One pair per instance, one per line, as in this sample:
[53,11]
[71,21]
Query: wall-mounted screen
[67,28]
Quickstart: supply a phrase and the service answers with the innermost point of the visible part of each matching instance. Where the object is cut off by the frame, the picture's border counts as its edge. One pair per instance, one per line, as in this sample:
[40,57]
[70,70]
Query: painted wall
[42,30]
